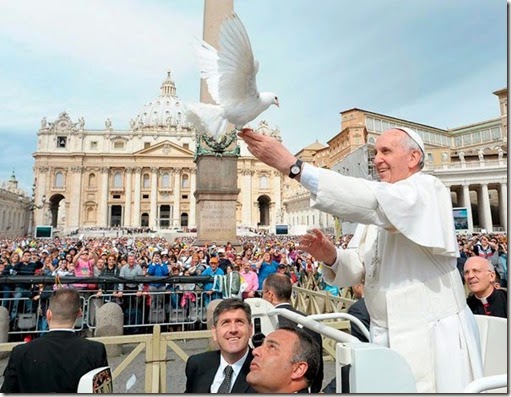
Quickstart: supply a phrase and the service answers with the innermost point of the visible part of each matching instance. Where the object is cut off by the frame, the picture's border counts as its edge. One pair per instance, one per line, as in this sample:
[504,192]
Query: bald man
[480,278]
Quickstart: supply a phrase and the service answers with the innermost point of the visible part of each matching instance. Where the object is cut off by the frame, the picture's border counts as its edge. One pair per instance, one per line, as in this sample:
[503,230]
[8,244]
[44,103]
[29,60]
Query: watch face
[295,169]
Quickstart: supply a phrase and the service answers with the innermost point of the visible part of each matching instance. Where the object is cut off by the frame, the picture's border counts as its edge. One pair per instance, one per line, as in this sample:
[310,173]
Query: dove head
[269,98]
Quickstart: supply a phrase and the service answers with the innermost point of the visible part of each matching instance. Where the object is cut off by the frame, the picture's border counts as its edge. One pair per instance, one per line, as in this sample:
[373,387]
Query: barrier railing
[156,345]
[163,308]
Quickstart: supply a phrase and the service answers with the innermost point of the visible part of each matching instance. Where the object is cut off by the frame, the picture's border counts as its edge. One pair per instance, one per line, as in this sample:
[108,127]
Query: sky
[434,62]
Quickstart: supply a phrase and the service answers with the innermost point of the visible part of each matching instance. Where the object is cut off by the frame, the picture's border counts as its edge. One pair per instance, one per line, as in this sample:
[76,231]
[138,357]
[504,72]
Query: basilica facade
[141,177]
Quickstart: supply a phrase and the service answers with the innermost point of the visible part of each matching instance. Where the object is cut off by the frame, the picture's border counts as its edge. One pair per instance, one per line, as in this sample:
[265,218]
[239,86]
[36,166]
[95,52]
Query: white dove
[230,75]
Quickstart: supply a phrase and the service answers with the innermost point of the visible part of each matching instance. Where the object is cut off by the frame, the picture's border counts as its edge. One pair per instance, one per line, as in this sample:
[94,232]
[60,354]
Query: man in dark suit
[224,370]
[277,289]
[359,310]
[55,362]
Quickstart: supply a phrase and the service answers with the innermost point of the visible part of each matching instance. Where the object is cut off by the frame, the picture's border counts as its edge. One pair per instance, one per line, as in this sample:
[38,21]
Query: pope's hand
[319,246]
[268,150]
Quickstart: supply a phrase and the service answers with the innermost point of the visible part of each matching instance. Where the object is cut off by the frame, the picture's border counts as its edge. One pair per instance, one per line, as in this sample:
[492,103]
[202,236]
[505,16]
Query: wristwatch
[295,169]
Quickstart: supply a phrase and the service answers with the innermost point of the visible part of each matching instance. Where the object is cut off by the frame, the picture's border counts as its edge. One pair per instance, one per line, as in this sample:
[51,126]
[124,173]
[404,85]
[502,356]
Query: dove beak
[277,103]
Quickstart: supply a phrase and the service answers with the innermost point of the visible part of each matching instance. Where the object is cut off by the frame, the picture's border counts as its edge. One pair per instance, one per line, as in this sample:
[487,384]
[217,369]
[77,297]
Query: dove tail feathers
[207,118]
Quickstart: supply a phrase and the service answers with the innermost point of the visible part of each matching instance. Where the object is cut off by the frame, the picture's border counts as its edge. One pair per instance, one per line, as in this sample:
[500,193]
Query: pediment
[165,149]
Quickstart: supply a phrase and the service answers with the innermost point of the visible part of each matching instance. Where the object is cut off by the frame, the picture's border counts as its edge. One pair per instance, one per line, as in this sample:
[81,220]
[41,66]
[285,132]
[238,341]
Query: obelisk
[217,190]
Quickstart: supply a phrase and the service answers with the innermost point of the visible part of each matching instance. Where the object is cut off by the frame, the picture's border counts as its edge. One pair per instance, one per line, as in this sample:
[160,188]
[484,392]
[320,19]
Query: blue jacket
[157,270]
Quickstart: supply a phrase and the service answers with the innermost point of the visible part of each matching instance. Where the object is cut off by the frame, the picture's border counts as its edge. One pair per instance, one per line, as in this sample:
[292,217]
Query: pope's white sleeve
[309,178]
[347,270]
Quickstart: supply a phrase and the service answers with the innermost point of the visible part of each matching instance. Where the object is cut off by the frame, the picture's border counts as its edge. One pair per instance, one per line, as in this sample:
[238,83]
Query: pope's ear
[415,158]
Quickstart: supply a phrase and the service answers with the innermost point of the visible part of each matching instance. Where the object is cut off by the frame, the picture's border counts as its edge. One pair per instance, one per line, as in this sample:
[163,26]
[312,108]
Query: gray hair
[410,144]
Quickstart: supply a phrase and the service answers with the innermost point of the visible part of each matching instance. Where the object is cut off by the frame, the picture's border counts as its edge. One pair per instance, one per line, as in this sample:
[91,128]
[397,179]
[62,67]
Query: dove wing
[208,61]
[237,67]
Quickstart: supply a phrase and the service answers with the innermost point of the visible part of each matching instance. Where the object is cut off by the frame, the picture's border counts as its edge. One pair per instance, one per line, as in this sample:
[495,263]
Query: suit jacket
[284,322]
[359,310]
[201,369]
[53,363]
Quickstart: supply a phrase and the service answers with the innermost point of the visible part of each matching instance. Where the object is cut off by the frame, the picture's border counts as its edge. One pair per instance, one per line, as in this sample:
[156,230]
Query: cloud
[92,48]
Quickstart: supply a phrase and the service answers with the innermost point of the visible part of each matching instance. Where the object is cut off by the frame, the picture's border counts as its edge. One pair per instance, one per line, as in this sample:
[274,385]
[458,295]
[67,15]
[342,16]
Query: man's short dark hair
[231,304]
[281,286]
[307,350]
[65,304]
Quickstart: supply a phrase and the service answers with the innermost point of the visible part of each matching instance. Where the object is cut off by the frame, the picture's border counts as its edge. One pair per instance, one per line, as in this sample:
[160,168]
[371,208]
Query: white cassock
[405,250]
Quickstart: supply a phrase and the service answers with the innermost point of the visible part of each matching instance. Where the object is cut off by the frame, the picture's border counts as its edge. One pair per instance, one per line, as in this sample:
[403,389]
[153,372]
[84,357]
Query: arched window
[263,182]
[165,180]
[185,181]
[92,180]
[146,181]
[59,179]
[117,179]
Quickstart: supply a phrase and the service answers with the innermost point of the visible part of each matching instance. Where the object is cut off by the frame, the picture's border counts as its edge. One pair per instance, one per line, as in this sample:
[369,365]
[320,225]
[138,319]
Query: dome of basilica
[165,111]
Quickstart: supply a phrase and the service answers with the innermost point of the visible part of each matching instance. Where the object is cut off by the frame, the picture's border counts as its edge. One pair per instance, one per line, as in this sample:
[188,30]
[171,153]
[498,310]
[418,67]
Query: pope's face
[232,333]
[393,161]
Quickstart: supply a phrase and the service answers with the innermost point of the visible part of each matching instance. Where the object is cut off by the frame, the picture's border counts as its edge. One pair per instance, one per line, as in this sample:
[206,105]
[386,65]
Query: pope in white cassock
[404,250]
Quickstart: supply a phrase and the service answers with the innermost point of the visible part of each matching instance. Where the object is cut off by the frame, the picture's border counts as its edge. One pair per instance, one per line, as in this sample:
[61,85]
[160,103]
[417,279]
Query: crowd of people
[235,271]
[242,269]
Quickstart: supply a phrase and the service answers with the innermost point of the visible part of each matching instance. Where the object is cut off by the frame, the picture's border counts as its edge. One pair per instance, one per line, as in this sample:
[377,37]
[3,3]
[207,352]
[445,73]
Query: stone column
[216,196]
[192,221]
[217,179]
[128,171]
[214,13]
[75,207]
[176,210]
[42,189]
[246,218]
[136,201]
[484,208]
[256,213]
[153,215]
[103,200]
[276,192]
[503,205]
[466,203]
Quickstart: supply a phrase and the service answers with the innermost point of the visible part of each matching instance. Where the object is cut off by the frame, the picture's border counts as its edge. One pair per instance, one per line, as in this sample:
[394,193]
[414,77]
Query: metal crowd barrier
[166,308]
[153,307]
[30,320]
